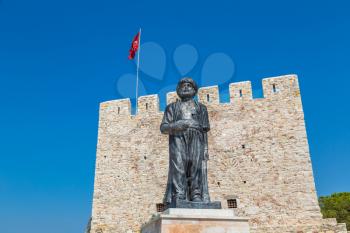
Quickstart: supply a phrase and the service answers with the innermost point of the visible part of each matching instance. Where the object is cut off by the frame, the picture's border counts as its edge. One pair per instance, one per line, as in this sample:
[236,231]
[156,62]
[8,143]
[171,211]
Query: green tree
[336,206]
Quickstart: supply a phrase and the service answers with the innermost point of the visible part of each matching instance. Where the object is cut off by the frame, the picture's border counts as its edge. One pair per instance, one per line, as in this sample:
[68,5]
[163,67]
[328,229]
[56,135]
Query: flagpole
[137,69]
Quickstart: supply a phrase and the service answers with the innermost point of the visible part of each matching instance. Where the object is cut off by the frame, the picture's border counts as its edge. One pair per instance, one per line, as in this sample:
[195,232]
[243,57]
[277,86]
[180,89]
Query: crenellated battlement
[273,88]
[240,91]
[148,104]
[209,95]
[277,87]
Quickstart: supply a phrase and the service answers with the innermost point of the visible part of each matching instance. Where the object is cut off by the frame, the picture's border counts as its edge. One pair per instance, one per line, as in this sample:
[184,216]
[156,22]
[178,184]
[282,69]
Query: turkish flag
[134,46]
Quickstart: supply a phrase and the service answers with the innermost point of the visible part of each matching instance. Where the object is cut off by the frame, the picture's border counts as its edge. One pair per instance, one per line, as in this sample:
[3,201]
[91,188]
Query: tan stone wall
[271,176]
[323,226]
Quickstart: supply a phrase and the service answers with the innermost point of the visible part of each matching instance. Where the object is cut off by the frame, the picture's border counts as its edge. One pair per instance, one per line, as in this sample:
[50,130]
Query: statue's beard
[186,94]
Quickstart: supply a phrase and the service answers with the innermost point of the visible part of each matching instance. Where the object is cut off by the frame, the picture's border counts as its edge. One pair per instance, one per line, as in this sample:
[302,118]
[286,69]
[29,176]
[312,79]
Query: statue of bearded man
[186,122]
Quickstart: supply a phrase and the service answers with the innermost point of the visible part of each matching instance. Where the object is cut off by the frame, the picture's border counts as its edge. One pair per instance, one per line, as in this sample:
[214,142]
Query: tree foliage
[336,206]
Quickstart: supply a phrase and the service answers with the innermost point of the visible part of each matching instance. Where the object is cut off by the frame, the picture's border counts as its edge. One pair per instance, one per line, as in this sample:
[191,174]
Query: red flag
[134,46]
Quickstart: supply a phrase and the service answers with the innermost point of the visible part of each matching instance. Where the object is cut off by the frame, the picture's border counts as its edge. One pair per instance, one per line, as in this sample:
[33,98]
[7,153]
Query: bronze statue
[186,121]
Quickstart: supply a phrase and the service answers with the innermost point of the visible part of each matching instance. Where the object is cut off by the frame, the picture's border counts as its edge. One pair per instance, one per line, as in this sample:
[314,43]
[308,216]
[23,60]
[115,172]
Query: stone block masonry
[259,156]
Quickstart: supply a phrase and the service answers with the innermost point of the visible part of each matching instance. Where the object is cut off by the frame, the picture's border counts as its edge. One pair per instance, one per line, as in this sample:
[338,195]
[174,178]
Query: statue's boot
[197,199]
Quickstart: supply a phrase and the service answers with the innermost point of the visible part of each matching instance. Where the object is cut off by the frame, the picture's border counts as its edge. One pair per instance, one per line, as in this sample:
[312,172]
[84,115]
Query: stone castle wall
[258,150]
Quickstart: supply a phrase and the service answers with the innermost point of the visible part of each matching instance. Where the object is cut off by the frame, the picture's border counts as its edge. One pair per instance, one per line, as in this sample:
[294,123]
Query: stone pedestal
[196,221]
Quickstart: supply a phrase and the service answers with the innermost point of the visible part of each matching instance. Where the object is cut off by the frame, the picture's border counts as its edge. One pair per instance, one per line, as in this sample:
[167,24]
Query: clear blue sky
[60,59]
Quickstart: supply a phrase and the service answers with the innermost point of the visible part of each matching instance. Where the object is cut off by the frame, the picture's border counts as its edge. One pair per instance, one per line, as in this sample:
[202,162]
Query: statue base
[194,205]
[196,220]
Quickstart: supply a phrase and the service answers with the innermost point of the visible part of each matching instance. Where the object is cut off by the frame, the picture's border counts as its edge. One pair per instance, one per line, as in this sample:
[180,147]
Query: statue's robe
[187,178]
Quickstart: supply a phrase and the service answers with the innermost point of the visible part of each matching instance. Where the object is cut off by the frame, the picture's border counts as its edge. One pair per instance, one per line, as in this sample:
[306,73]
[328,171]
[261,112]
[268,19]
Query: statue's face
[186,90]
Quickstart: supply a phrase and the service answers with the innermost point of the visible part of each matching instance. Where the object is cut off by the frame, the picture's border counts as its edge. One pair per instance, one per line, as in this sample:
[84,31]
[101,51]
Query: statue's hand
[206,154]
[192,123]
[181,125]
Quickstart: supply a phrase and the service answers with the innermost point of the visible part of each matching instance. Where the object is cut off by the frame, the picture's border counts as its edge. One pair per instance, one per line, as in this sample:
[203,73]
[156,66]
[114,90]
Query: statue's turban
[187,80]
